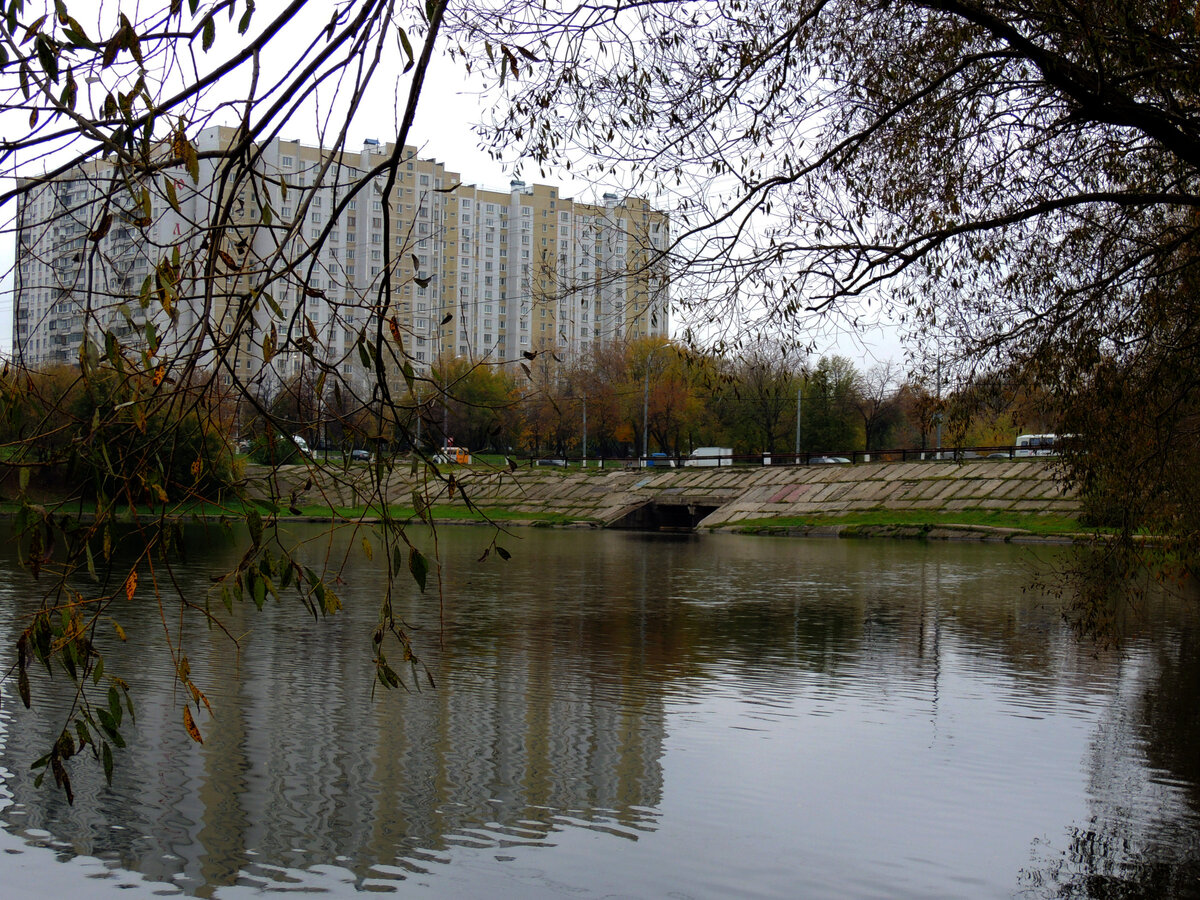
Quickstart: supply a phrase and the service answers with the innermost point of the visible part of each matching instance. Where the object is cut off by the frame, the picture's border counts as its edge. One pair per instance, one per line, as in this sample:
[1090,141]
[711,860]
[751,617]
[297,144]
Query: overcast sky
[450,106]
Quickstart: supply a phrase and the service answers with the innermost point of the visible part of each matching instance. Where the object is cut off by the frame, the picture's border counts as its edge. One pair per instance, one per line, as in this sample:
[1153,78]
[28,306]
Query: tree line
[626,399]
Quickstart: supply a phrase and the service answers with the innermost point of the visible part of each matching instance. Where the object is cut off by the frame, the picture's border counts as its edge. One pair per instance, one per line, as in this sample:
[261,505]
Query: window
[286,161]
[317,201]
[316,217]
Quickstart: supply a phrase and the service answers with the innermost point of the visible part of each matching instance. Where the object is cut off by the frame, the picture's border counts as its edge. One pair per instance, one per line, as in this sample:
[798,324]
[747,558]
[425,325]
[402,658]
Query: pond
[633,715]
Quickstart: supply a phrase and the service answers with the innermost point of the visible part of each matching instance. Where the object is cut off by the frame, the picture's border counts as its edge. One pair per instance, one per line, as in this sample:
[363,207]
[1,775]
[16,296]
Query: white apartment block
[317,257]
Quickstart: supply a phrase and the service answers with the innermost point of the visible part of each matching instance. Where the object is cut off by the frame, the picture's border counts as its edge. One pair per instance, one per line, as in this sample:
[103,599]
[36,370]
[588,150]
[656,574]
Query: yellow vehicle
[460,456]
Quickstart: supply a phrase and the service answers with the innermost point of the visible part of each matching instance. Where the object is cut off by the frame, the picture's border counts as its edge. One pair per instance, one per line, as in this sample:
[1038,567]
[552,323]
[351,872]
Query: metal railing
[789,458]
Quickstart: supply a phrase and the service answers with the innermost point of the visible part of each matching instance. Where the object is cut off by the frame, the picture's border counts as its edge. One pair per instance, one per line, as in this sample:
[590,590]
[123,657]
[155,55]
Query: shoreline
[928,530]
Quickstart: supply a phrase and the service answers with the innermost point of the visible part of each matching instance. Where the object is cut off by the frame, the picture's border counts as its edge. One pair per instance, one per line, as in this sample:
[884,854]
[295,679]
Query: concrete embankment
[709,498]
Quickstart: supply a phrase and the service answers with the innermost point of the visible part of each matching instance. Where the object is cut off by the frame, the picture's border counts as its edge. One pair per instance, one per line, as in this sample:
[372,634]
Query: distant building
[474,272]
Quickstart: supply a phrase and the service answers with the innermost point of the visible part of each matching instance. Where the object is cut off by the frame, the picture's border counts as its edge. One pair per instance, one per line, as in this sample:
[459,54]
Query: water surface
[618,714]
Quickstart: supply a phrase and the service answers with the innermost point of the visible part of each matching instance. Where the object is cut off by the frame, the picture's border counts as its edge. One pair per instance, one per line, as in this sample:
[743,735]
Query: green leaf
[172,197]
[408,50]
[418,565]
[245,20]
[210,33]
[255,524]
[114,705]
[47,55]
[109,724]
[70,91]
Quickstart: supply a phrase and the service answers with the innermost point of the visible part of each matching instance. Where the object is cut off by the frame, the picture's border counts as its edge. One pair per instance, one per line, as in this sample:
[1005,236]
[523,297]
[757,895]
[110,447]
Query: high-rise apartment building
[312,255]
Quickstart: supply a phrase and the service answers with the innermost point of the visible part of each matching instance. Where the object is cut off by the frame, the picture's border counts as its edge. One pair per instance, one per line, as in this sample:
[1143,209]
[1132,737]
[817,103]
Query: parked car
[551,462]
[364,455]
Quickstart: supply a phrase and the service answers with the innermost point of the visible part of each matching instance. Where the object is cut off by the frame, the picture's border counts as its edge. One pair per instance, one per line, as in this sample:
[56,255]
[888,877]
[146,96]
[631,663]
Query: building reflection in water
[306,761]
[557,678]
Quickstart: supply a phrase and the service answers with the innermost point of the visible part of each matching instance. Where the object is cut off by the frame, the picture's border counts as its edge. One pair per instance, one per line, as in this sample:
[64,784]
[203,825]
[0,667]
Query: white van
[1036,445]
[710,456]
[301,444]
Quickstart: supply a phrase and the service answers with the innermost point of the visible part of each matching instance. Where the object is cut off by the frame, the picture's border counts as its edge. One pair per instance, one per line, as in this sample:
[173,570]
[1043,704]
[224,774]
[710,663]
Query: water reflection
[1142,837]
[648,714]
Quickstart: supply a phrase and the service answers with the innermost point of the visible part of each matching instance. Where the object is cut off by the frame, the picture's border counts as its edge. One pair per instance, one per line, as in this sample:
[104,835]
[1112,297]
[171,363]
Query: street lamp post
[646,410]
[799,399]
[583,450]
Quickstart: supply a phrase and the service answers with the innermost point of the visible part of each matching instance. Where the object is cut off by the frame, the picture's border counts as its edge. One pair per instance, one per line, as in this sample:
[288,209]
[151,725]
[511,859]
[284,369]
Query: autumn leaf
[190,725]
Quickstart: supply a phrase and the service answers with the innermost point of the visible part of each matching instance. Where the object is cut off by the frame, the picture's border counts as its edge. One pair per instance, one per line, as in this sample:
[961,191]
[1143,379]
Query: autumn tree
[1015,181]
[876,404]
[828,421]
[119,119]
[760,397]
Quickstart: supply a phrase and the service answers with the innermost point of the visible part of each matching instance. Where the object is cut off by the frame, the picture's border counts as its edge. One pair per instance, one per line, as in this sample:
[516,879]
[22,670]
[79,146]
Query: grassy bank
[318,513]
[916,523]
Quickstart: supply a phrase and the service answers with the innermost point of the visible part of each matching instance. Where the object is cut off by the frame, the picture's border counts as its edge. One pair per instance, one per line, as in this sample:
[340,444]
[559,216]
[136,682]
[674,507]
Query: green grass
[1033,523]
[213,511]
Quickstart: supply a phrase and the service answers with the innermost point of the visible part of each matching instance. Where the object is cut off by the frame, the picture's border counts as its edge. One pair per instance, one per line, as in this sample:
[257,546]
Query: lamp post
[799,400]
[646,409]
[583,448]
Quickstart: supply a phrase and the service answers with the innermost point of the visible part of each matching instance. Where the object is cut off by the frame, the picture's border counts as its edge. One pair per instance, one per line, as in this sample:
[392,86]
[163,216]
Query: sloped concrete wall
[740,493]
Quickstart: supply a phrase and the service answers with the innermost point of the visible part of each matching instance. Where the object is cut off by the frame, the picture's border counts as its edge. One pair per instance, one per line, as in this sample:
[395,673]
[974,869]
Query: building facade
[311,258]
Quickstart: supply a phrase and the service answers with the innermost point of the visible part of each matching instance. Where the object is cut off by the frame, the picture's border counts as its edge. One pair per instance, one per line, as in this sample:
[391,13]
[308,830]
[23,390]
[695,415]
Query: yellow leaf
[119,630]
[130,587]
[190,724]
